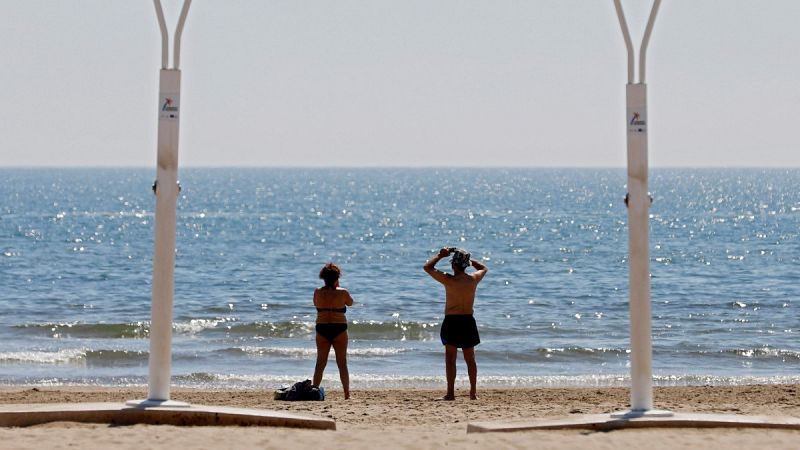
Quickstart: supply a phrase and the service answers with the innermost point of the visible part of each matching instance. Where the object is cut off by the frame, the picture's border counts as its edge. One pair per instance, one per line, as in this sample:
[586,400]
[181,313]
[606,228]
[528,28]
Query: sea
[76,250]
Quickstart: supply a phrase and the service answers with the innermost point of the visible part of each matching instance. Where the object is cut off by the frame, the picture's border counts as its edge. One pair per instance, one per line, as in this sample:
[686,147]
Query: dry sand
[407,418]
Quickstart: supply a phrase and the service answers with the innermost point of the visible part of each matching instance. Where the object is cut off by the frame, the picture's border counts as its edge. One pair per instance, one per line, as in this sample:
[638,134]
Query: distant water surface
[76,259]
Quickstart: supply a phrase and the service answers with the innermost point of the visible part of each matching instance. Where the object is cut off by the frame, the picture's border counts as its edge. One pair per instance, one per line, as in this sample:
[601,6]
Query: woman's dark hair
[330,273]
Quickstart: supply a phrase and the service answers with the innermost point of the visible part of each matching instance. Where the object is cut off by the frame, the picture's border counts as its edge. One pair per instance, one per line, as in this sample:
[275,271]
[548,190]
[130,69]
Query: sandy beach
[409,418]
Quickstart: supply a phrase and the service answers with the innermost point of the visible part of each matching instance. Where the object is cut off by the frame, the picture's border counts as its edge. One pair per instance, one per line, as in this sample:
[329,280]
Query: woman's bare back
[331,303]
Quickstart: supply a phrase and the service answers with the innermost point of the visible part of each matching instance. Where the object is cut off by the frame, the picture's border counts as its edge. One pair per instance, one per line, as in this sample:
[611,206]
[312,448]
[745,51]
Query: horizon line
[382,167]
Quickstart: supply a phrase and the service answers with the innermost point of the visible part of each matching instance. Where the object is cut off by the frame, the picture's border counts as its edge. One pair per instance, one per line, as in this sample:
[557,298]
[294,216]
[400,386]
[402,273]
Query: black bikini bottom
[330,330]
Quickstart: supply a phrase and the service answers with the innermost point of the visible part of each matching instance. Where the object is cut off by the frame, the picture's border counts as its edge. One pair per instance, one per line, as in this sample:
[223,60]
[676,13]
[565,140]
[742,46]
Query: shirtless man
[458,327]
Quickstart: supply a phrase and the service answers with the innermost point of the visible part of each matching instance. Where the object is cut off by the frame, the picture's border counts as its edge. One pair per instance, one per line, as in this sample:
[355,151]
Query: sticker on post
[168,107]
[637,120]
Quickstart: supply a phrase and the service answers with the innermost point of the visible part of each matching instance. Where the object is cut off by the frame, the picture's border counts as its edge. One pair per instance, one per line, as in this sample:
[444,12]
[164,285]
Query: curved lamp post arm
[162,24]
[178,33]
[646,39]
[623,24]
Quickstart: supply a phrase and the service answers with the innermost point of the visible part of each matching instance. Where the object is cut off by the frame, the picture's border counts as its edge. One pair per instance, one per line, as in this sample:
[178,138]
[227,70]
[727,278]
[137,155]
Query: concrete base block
[125,414]
[605,422]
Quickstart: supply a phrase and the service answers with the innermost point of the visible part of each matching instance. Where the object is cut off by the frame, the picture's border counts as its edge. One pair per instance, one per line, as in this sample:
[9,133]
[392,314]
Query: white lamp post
[166,190]
[638,202]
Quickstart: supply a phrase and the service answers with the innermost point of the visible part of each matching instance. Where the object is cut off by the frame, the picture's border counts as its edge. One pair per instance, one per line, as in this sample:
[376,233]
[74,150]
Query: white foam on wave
[197,325]
[310,352]
[65,356]
[376,351]
[383,381]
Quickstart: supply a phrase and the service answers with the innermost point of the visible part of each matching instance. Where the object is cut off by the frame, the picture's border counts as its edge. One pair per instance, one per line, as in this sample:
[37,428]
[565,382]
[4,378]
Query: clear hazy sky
[535,83]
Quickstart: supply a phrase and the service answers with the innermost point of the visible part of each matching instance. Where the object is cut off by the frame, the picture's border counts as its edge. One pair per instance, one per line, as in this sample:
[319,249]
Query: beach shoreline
[412,418]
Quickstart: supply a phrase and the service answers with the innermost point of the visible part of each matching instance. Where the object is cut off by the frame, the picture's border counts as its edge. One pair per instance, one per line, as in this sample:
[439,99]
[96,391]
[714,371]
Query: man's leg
[472,370]
[450,354]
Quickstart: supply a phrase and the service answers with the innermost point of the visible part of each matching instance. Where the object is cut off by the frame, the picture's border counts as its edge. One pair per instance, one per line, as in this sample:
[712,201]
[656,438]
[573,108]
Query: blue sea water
[76,260]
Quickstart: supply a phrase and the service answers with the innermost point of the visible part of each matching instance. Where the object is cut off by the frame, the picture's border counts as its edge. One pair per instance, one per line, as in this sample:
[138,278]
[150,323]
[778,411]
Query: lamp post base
[634,413]
[156,403]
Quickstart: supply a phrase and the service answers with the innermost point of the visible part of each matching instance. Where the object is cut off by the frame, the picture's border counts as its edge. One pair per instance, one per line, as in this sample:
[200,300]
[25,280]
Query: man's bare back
[460,287]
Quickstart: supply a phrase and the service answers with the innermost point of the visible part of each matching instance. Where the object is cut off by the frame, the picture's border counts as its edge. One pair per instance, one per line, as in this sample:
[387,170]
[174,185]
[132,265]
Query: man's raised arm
[430,266]
[480,269]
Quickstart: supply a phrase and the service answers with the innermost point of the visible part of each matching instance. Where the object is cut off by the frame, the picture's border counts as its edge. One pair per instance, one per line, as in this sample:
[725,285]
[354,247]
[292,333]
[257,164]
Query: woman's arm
[348,301]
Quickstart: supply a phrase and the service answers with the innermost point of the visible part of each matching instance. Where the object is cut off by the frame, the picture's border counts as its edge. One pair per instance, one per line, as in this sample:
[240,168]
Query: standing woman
[331,302]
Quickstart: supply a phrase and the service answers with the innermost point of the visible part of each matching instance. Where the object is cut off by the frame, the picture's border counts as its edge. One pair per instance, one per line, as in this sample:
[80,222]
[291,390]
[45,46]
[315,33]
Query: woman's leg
[323,349]
[340,348]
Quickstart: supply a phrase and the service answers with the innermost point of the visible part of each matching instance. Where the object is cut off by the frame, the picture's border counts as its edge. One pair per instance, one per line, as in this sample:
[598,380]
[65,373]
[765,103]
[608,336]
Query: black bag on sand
[300,391]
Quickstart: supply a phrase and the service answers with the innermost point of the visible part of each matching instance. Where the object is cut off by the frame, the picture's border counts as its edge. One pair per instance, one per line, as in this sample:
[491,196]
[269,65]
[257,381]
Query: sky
[375,83]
